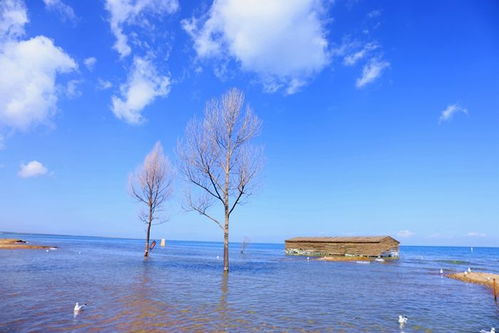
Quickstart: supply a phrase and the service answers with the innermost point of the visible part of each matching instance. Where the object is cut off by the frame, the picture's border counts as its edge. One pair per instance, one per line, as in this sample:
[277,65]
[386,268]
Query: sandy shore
[343,258]
[485,279]
[14,244]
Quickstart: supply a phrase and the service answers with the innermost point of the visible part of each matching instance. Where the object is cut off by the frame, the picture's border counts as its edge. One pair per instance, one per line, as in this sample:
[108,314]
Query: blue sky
[378,117]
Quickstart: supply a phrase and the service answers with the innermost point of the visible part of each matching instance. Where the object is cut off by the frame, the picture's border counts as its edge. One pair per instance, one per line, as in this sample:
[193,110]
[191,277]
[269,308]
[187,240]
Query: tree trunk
[148,236]
[226,242]
[146,252]
[227,210]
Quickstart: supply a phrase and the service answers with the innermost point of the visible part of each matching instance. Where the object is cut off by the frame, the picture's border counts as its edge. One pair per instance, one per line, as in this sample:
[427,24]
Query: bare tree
[151,185]
[217,158]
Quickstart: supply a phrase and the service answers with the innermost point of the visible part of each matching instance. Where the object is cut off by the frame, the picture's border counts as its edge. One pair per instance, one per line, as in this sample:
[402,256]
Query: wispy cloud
[66,12]
[372,71]
[476,234]
[103,84]
[405,233]
[130,22]
[352,58]
[132,12]
[90,63]
[283,42]
[72,90]
[450,111]
[144,84]
[374,13]
[32,169]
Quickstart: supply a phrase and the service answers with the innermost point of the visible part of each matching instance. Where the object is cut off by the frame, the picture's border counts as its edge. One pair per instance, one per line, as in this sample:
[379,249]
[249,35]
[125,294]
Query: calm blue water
[182,288]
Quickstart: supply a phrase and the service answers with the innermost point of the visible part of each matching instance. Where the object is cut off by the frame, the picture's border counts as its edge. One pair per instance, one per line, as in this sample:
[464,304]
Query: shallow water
[182,288]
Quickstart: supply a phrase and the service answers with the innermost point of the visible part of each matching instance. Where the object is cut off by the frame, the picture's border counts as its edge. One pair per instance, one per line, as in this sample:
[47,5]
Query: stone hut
[373,246]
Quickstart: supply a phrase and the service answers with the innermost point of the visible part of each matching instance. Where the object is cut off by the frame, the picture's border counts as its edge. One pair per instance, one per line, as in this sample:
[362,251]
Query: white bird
[469,270]
[465,272]
[402,320]
[492,330]
[79,307]
[308,258]
[441,271]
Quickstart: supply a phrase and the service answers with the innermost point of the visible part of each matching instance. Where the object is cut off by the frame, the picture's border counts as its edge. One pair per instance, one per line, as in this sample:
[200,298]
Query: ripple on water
[182,288]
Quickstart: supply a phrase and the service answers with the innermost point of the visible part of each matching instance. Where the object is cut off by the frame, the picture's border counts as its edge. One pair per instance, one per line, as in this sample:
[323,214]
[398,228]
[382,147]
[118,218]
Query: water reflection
[141,307]
[222,308]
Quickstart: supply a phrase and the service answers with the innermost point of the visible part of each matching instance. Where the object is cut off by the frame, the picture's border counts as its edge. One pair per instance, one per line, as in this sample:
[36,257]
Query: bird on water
[402,320]
[78,308]
[492,330]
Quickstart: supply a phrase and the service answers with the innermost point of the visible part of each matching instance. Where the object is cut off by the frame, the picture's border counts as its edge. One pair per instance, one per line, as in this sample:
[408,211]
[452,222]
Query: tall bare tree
[151,185]
[217,158]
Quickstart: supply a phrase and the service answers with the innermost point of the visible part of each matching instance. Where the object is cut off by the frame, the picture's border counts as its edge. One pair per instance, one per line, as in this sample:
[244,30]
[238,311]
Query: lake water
[182,288]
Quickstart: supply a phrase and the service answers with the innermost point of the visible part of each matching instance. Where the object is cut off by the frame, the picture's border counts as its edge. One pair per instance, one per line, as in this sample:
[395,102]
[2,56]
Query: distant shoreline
[218,241]
[19,244]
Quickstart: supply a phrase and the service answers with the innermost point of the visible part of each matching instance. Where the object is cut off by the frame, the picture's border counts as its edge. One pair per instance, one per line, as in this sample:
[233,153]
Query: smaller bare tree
[151,185]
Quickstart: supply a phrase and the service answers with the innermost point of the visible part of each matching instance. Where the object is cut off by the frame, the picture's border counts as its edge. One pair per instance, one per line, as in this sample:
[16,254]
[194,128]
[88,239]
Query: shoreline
[482,278]
[15,244]
[354,258]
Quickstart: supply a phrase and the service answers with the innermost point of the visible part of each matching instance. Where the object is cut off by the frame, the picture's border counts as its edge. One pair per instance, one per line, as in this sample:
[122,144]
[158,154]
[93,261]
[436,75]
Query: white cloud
[72,90]
[103,84]
[29,68]
[476,234]
[374,13]
[13,17]
[28,95]
[32,169]
[282,41]
[132,12]
[64,10]
[144,84]
[405,233]
[371,71]
[90,63]
[352,58]
[450,111]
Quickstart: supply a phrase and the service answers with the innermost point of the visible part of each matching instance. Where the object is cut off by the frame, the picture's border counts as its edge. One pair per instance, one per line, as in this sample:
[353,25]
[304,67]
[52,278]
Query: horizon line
[210,241]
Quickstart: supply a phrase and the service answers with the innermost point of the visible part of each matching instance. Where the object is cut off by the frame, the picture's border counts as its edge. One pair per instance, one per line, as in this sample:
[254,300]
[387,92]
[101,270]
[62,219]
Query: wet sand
[353,258]
[14,244]
[486,279]
[344,258]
